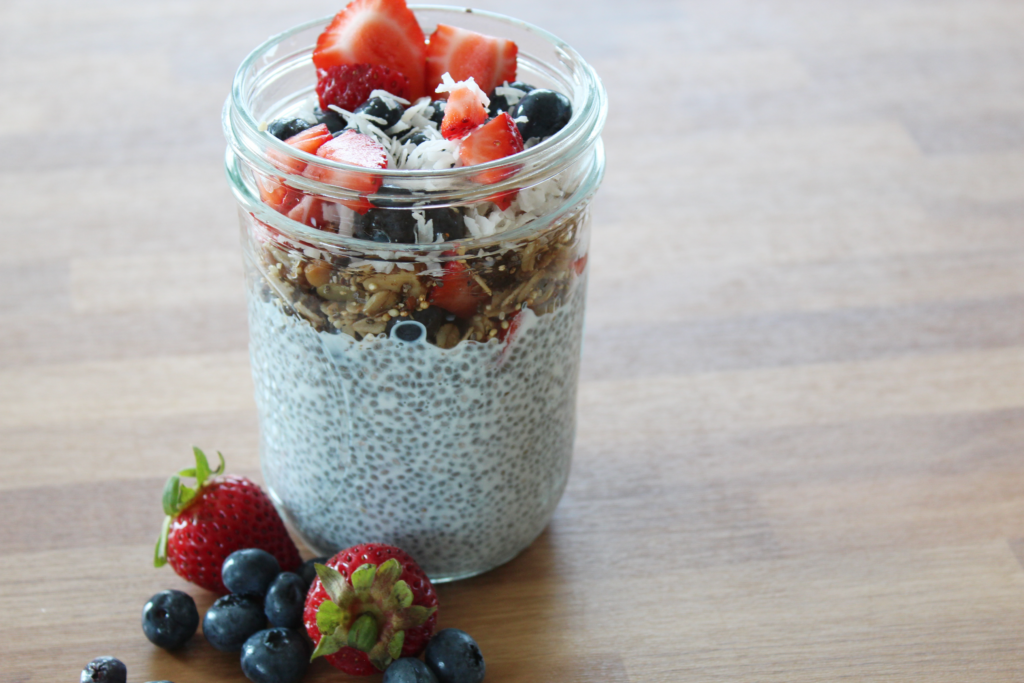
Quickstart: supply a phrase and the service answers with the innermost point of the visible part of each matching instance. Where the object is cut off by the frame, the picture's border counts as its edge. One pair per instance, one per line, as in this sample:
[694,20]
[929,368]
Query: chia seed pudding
[416,259]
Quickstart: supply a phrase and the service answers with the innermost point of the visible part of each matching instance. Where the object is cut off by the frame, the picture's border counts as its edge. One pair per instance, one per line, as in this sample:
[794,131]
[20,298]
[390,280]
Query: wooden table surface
[801,443]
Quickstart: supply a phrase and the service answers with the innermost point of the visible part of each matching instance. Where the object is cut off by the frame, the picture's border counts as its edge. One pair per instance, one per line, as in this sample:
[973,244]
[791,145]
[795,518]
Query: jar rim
[246,141]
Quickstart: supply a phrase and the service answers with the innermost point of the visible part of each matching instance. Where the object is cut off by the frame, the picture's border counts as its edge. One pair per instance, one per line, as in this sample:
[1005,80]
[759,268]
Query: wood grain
[801,426]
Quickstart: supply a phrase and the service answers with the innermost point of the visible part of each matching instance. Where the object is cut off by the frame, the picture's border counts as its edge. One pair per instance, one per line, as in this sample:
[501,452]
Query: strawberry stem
[176,497]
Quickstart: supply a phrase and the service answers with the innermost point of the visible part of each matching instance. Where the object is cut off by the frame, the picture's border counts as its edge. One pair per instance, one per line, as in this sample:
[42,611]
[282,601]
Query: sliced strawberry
[497,139]
[349,85]
[464,112]
[383,32]
[457,292]
[580,264]
[508,334]
[350,148]
[276,194]
[309,211]
[488,60]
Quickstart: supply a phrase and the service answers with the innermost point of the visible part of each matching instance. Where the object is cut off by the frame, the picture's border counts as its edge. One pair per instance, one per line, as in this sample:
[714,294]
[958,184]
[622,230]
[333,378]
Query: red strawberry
[464,112]
[509,333]
[309,211]
[207,523]
[273,192]
[462,53]
[349,85]
[457,292]
[580,264]
[497,139]
[368,606]
[382,32]
[350,148]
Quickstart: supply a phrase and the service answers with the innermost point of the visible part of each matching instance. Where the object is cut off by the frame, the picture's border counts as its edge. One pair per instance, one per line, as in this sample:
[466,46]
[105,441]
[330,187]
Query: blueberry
[431,318]
[249,571]
[105,670]
[170,618]
[499,103]
[282,129]
[330,118]
[232,619]
[408,330]
[418,138]
[409,670]
[277,655]
[435,112]
[285,600]
[382,108]
[386,225]
[455,657]
[546,111]
[308,572]
[394,191]
[448,223]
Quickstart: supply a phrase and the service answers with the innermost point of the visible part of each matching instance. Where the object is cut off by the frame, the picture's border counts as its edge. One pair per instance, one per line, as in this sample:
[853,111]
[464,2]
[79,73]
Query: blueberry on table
[170,618]
[285,600]
[249,571]
[330,118]
[381,108]
[454,657]
[105,670]
[276,655]
[232,619]
[546,112]
[499,103]
[308,572]
[409,670]
[282,129]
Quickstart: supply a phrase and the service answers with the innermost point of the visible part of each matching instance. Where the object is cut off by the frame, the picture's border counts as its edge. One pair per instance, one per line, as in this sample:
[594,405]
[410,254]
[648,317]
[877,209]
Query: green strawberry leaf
[202,466]
[364,633]
[170,497]
[160,554]
[328,645]
[362,578]
[337,587]
[330,618]
[402,594]
[413,616]
[395,646]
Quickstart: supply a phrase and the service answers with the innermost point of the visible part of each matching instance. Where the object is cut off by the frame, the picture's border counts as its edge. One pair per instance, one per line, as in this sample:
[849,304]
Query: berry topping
[504,97]
[409,670]
[497,139]
[382,32]
[436,112]
[386,225]
[308,141]
[309,211]
[170,618]
[249,571]
[466,54]
[385,109]
[457,292]
[418,138]
[276,655]
[105,670]
[455,657]
[546,112]
[282,129]
[285,600]
[349,85]
[370,605]
[465,110]
[216,517]
[448,224]
[351,148]
[334,121]
[232,619]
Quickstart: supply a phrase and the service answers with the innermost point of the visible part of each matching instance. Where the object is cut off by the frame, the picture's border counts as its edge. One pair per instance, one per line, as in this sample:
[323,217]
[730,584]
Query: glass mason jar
[417,394]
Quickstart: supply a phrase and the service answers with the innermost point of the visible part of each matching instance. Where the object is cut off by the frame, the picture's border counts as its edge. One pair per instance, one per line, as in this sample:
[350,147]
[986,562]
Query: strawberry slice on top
[383,32]
[466,109]
[464,54]
[358,150]
[497,139]
[276,194]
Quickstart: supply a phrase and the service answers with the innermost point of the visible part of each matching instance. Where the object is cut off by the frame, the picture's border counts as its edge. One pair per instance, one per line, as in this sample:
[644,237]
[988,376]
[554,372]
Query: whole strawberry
[368,606]
[213,519]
